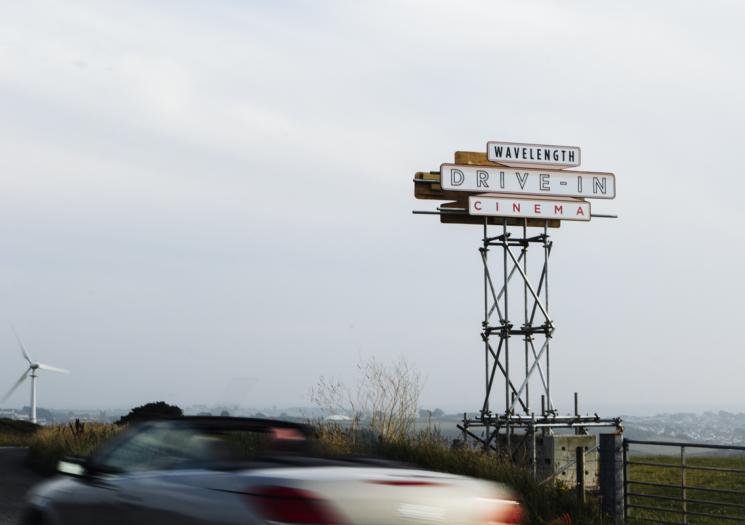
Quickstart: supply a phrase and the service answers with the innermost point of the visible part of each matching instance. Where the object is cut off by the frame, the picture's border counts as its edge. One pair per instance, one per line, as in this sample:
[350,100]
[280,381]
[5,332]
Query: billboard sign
[536,155]
[544,182]
[507,206]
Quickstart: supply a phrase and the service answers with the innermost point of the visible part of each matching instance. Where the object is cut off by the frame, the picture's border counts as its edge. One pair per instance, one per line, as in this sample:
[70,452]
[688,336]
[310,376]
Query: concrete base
[555,452]
[556,456]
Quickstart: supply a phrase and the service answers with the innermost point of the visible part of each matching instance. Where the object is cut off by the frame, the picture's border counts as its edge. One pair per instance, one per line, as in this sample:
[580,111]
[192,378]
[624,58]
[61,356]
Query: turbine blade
[13,388]
[52,368]
[20,343]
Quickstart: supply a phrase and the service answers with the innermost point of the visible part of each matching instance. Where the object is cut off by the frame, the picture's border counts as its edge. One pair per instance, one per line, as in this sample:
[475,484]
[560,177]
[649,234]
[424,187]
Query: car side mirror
[73,466]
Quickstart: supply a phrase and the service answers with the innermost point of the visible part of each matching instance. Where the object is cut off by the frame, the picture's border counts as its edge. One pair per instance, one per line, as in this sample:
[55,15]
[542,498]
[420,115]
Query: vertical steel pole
[533,457]
[683,483]
[485,415]
[486,315]
[506,335]
[528,335]
[545,289]
[506,318]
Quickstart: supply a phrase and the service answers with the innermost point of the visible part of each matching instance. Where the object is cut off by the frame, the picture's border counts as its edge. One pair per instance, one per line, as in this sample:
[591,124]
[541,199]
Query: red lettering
[580,211]
[516,206]
[536,208]
[559,209]
[477,205]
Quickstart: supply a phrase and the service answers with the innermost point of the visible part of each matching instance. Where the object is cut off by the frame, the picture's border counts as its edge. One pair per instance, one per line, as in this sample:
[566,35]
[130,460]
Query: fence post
[626,481]
[580,463]
[612,476]
[683,483]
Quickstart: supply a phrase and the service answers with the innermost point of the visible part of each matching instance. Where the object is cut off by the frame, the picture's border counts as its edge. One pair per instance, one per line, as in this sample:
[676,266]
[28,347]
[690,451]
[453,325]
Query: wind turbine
[33,366]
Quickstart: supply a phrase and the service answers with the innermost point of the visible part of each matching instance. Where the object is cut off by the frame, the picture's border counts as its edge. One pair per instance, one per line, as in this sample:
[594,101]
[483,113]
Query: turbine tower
[33,366]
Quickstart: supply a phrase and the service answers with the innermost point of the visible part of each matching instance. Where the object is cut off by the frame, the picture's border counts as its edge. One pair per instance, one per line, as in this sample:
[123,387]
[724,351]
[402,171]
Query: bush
[157,410]
[386,396]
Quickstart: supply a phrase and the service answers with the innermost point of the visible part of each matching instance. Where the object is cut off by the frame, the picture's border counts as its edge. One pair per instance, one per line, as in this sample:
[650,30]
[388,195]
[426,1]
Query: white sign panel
[537,155]
[488,179]
[506,206]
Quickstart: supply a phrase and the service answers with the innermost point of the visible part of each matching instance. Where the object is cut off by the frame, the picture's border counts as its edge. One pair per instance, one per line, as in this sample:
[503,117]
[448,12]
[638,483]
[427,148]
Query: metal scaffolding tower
[516,305]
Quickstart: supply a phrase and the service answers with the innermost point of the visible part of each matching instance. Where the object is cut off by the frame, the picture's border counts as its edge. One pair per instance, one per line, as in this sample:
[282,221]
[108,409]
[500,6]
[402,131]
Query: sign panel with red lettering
[536,155]
[507,206]
[497,179]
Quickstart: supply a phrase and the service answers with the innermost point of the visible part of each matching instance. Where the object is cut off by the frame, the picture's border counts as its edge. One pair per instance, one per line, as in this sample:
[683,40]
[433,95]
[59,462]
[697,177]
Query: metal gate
[683,483]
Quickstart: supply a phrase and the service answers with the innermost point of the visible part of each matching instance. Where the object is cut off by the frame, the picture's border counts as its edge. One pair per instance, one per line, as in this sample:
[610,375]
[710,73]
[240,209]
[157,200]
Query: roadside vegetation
[549,503]
[14,433]
[51,443]
[545,503]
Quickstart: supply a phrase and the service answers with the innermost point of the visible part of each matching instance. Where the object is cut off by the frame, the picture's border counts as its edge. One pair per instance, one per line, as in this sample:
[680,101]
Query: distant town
[707,427]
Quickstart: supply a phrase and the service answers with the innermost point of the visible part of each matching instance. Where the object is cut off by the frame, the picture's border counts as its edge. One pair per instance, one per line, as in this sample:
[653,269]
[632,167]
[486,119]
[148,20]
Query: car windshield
[167,445]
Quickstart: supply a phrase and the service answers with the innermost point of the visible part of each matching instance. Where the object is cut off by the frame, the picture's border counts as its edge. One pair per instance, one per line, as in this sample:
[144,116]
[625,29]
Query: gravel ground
[15,480]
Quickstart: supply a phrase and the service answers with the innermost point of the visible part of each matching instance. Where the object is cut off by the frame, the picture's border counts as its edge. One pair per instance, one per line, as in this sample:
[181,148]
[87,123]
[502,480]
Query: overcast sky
[210,202]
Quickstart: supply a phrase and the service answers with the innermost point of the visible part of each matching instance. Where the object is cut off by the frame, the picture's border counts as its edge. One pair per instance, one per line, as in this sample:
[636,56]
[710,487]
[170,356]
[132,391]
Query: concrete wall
[554,452]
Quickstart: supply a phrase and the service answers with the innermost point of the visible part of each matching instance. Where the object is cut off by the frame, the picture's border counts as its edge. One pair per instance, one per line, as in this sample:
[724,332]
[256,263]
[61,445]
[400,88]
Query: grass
[51,443]
[545,504]
[14,433]
[671,475]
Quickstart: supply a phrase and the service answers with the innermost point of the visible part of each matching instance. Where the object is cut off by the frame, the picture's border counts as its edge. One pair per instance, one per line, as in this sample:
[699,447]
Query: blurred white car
[207,470]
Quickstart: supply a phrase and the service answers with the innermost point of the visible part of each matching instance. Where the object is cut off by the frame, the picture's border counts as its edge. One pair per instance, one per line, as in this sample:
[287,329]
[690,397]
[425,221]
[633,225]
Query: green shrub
[149,411]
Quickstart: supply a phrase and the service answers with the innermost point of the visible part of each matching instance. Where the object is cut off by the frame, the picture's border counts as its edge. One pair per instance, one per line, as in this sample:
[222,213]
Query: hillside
[721,427]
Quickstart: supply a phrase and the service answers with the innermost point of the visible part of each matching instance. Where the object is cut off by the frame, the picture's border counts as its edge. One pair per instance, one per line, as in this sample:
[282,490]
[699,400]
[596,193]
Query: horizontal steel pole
[655,509]
[512,242]
[554,419]
[428,212]
[688,466]
[547,425]
[689,500]
[687,487]
[688,512]
[655,520]
[679,444]
[587,424]
[518,240]
[518,331]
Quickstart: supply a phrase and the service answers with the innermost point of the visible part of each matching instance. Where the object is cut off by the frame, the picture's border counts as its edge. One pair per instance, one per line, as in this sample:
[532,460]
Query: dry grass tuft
[50,444]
